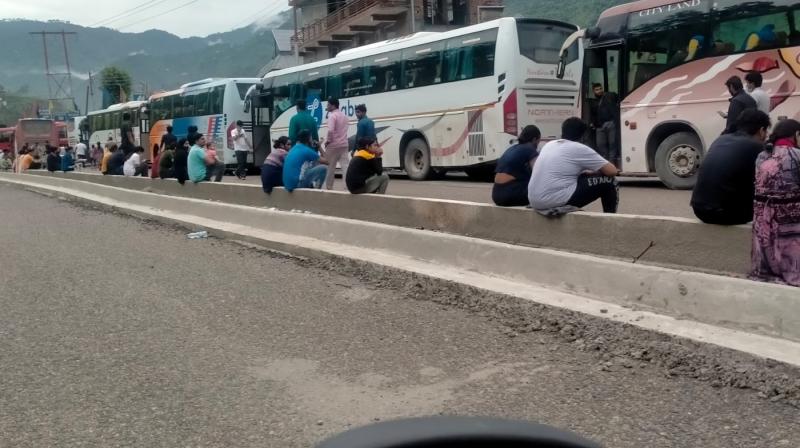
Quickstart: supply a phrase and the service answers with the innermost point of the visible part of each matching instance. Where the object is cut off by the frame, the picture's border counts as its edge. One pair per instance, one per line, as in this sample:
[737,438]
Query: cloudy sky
[181,17]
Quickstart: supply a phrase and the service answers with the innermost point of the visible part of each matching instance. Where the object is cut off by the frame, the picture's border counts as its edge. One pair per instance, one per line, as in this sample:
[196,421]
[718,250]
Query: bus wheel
[418,160]
[678,160]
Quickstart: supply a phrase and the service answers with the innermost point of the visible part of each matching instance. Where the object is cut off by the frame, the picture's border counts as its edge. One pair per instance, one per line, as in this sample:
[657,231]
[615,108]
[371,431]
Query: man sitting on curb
[300,169]
[202,162]
[365,172]
[569,175]
[513,172]
[725,186]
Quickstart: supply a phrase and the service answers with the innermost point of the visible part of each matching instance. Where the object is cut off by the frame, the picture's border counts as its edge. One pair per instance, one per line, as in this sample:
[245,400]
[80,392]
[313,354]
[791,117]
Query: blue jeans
[314,177]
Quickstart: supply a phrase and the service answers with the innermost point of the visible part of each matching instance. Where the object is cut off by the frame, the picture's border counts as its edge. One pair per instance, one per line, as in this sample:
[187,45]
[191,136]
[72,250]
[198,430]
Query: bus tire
[678,160]
[417,160]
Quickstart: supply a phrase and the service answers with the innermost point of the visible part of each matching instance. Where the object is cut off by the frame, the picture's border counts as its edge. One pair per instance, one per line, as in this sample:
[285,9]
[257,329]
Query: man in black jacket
[365,172]
[725,186]
[739,102]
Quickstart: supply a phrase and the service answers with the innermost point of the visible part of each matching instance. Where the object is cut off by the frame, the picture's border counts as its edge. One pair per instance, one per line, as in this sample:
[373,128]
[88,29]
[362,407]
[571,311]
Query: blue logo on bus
[314,105]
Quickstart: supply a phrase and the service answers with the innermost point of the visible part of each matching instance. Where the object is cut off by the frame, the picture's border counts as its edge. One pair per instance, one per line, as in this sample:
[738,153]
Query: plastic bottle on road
[197,235]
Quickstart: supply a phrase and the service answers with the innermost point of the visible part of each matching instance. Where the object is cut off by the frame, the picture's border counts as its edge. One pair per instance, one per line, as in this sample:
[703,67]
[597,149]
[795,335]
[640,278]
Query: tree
[116,82]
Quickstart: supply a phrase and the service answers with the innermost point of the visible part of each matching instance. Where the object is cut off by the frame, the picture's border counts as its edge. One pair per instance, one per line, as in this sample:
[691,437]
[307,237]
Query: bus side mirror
[247,106]
[562,65]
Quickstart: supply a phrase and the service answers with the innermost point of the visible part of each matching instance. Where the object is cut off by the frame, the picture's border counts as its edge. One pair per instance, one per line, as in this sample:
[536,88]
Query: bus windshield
[540,41]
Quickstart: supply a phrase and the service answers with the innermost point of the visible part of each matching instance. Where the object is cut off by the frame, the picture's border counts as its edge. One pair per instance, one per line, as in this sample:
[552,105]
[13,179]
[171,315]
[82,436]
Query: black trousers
[723,217]
[241,163]
[593,187]
[510,194]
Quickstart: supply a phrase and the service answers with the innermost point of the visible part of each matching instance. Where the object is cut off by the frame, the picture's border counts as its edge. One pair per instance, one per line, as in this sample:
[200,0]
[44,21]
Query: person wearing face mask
[775,255]
[753,81]
[723,193]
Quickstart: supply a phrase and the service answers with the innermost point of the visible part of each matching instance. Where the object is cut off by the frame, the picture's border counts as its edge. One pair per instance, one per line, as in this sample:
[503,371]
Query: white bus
[75,130]
[440,101]
[104,125]
[213,105]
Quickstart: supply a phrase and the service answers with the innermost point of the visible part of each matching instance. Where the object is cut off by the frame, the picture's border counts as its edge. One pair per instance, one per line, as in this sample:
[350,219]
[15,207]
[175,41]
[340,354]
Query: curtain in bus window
[422,65]
[382,72]
[216,100]
[314,82]
[201,104]
[659,39]
[346,79]
[470,56]
[751,26]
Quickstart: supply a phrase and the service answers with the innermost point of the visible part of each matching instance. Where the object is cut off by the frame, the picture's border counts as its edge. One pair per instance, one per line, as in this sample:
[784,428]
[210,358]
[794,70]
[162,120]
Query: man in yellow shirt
[24,162]
[106,155]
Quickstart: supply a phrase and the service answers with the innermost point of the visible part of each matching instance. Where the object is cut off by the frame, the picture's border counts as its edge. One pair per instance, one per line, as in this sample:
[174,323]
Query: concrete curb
[664,241]
[755,313]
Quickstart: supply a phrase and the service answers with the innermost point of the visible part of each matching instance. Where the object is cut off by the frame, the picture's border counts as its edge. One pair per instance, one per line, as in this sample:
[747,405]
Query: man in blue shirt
[300,169]
[513,170]
[365,127]
[201,168]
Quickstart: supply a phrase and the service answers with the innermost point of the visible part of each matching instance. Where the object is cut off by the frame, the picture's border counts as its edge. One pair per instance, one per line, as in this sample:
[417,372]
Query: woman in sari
[776,220]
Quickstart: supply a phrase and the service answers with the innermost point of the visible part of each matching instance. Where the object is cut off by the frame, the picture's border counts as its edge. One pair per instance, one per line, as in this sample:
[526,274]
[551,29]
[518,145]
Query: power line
[157,15]
[127,12]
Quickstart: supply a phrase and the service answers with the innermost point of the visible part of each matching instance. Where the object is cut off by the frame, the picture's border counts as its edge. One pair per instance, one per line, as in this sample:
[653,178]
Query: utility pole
[413,18]
[89,91]
[59,84]
[296,37]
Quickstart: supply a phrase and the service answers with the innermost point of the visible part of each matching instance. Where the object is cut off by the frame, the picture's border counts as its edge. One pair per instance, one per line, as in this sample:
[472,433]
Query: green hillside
[580,12]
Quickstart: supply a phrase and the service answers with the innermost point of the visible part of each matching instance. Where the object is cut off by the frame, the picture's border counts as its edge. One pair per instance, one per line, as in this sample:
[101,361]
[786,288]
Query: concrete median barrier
[666,241]
[750,311]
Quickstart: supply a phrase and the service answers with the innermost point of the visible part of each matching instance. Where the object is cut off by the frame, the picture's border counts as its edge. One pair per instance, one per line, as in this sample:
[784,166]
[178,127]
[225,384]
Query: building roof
[283,40]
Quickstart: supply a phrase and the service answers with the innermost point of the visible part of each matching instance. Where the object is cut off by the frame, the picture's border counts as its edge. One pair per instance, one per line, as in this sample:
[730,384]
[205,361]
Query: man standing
[753,81]
[725,186]
[336,146]
[241,146]
[606,120]
[127,144]
[81,153]
[365,127]
[167,140]
[739,102]
[302,120]
[569,173]
[202,165]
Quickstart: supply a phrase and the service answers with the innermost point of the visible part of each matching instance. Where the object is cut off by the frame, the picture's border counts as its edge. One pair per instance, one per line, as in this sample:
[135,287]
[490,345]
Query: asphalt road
[118,332]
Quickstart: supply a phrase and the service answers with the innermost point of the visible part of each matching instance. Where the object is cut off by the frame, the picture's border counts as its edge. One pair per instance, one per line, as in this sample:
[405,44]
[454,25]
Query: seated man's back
[725,187]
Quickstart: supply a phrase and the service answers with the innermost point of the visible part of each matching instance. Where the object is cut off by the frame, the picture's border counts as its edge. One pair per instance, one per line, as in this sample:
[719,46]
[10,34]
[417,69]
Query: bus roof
[201,84]
[627,8]
[409,41]
[120,106]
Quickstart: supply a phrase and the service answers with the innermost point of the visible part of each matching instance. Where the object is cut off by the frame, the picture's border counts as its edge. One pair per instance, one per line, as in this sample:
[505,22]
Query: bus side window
[749,28]
[217,100]
[201,104]
[314,82]
[383,72]
[470,56]
[422,65]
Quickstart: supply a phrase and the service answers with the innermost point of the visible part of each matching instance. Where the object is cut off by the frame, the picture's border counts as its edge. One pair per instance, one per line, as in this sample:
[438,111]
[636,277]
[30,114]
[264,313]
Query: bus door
[602,70]
[259,104]
[144,132]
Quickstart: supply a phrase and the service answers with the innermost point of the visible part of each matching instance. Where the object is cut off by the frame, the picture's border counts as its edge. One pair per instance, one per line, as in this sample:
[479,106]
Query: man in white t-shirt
[80,151]
[134,166]
[569,173]
[241,146]
[753,81]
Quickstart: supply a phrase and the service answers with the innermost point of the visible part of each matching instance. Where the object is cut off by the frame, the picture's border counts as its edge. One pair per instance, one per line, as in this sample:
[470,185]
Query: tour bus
[6,139]
[213,105]
[440,101]
[104,125]
[668,62]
